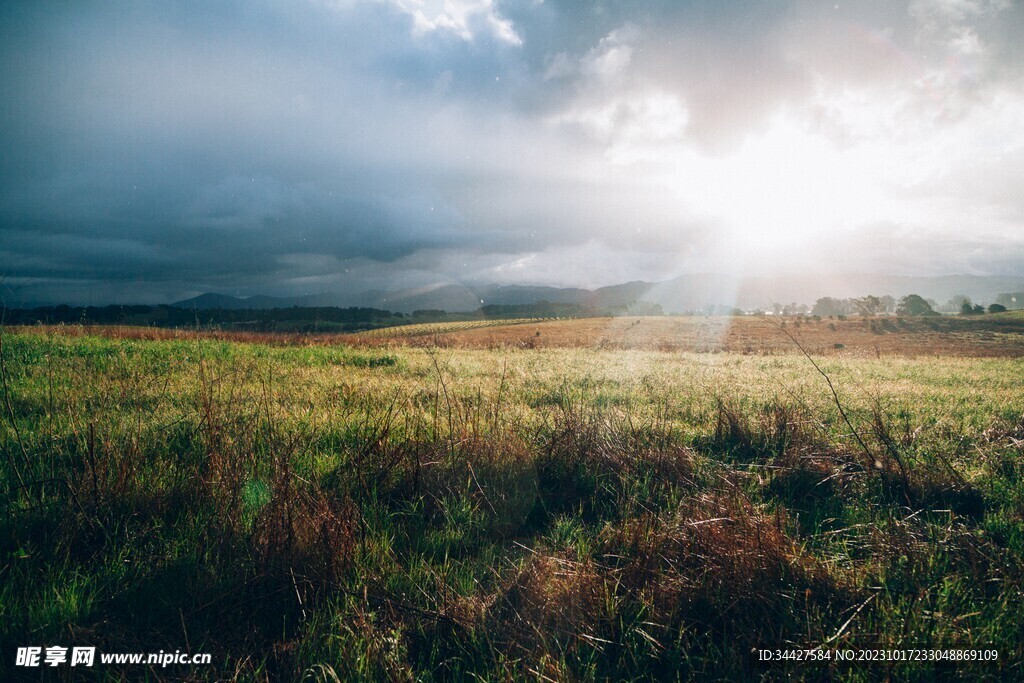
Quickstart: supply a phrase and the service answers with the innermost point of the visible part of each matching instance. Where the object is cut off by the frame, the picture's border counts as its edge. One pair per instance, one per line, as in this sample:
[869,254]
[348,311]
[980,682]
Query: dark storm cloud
[282,146]
[178,144]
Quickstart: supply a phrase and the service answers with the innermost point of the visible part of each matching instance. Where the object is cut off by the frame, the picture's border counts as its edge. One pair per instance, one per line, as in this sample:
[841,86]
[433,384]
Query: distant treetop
[914,304]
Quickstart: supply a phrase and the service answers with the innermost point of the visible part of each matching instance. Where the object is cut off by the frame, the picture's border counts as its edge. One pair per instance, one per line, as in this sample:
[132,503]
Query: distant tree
[977,309]
[823,306]
[795,309]
[888,303]
[996,308]
[867,305]
[956,304]
[965,307]
[644,308]
[827,306]
[432,313]
[914,304]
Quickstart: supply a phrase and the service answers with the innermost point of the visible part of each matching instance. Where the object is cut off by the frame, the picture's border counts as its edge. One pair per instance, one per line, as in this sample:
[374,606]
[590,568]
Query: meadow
[908,336]
[516,503]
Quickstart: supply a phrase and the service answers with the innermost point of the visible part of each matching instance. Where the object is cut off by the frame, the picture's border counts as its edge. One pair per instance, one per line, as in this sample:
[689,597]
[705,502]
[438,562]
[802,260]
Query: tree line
[912,304]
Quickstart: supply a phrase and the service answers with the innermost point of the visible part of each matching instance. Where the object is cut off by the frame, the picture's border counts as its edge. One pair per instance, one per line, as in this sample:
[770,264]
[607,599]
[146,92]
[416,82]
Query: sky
[151,151]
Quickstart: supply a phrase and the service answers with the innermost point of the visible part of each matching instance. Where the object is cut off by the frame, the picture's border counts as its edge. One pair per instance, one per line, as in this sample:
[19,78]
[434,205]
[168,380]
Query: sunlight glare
[784,187]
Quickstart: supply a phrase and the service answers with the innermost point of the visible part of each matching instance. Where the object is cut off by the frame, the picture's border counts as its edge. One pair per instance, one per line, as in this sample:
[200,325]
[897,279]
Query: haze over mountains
[678,295]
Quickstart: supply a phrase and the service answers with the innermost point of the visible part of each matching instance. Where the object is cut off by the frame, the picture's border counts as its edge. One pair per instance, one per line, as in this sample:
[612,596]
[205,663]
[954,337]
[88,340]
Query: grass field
[436,329]
[594,502]
[987,335]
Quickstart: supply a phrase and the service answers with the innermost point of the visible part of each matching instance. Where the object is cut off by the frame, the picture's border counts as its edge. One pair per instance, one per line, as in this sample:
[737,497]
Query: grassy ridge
[431,514]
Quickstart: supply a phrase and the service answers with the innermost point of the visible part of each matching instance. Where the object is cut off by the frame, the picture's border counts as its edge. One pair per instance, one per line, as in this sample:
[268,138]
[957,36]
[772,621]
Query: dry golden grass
[436,328]
[990,336]
[987,336]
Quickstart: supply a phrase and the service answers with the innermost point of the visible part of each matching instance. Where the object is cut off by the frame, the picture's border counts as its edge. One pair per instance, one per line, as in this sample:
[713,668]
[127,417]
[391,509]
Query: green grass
[423,514]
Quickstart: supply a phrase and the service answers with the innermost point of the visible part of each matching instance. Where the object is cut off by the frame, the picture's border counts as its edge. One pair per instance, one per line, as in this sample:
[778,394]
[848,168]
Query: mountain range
[678,295]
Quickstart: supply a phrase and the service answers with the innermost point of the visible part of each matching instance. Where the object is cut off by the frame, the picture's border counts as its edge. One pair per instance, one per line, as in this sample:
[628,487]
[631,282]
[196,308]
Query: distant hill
[231,303]
[693,292]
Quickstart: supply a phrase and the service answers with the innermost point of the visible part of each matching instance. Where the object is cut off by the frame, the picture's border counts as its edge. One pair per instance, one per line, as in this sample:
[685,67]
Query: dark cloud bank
[151,152]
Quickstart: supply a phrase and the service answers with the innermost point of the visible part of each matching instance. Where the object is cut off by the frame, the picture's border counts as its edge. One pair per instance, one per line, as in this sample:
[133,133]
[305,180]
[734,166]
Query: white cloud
[630,118]
[639,127]
[612,56]
[461,17]
[951,24]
